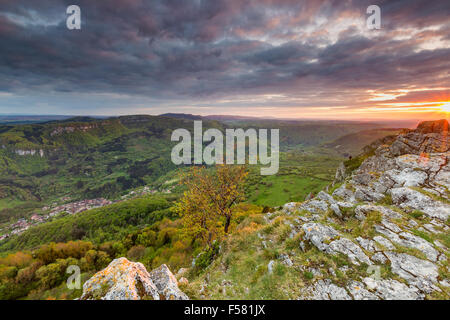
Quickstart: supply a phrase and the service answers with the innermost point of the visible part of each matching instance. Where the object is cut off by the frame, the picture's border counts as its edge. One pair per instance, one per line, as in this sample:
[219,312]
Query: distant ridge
[187,116]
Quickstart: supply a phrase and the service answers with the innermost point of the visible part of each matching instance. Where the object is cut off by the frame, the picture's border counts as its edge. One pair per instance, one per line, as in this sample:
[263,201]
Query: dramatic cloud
[222,56]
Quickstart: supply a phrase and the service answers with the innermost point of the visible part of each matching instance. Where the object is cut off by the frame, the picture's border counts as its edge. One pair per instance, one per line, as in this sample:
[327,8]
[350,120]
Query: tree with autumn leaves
[206,208]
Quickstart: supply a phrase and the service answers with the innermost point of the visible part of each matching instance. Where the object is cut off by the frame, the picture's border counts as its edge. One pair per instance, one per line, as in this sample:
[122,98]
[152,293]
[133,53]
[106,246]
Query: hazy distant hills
[26,119]
[352,144]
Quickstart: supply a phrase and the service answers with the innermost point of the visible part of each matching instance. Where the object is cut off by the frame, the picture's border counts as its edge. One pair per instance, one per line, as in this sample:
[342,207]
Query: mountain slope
[382,233]
[353,143]
[82,158]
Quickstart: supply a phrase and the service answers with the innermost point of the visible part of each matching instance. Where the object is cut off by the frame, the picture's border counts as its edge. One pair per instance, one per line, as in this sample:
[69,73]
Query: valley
[107,185]
[43,165]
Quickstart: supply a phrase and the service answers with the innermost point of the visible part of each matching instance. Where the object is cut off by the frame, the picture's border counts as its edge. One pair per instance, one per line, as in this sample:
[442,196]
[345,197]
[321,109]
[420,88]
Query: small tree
[210,195]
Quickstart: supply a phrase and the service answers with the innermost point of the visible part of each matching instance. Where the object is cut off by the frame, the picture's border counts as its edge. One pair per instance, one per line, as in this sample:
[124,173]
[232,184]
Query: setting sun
[446,107]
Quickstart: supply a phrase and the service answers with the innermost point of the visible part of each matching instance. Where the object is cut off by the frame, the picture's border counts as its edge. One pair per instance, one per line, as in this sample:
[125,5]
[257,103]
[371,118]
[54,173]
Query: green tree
[209,200]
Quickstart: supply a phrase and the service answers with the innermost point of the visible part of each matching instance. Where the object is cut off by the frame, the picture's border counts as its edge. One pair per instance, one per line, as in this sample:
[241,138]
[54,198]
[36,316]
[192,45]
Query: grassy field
[300,173]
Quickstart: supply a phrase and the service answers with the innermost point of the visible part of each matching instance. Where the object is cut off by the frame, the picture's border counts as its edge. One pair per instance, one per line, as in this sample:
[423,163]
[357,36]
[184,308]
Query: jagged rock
[379,257]
[302,246]
[392,289]
[286,260]
[390,226]
[407,198]
[413,171]
[336,210]
[270,266]
[315,272]
[121,280]
[326,290]
[417,272]
[314,206]
[408,240]
[418,142]
[443,176]
[421,164]
[435,126]
[183,281]
[341,173]
[181,272]
[384,242]
[411,241]
[350,249]
[167,284]
[345,194]
[290,207]
[412,224]
[367,244]
[363,193]
[407,177]
[414,159]
[346,205]
[358,291]
[319,235]
[325,197]
[362,211]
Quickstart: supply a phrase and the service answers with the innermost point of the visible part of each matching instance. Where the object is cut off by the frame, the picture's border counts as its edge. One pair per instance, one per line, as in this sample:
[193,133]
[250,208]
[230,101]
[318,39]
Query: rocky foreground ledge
[401,192]
[126,280]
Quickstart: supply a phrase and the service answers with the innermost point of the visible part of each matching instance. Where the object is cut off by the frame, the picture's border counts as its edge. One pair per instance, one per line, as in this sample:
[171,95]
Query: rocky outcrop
[167,284]
[126,280]
[341,173]
[401,194]
[413,168]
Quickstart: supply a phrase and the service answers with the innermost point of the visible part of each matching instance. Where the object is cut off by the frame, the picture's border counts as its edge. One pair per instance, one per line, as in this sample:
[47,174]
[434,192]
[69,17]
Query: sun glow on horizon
[445,107]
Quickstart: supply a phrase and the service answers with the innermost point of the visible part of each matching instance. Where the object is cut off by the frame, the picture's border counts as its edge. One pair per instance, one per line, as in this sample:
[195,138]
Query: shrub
[205,258]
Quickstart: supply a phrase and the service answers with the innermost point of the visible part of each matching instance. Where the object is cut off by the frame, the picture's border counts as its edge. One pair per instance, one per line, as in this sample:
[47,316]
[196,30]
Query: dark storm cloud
[173,49]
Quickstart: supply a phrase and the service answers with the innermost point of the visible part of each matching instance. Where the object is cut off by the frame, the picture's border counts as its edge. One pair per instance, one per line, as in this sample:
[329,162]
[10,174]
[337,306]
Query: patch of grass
[354,163]
[387,200]
[366,228]
[299,174]
[445,238]
[279,269]
[308,275]
[293,243]
[416,214]
[270,254]
[411,251]
[423,235]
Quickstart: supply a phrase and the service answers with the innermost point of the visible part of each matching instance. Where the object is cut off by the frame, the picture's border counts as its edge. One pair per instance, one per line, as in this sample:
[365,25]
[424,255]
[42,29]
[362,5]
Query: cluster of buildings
[144,191]
[135,193]
[71,208]
[79,206]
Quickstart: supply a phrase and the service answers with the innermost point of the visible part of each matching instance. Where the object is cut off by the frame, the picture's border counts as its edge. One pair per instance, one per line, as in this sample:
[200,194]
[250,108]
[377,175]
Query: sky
[286,58]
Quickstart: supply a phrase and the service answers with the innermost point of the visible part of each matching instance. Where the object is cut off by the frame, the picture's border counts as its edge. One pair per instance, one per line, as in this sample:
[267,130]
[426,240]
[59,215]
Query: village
[24,224]
[70,208]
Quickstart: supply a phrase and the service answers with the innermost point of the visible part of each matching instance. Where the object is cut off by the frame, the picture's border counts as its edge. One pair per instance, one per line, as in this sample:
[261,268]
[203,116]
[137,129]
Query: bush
[205,258]
[136,253]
